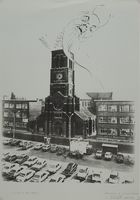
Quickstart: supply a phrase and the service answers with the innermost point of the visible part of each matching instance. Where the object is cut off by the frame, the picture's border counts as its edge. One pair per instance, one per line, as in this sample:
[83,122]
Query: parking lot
[88,161]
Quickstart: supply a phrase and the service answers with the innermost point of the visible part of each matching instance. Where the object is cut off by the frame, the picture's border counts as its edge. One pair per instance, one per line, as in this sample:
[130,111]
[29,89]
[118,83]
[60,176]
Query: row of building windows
[18,105]
[17,124]
[115,108]
[113,120]
[114,132]
[17,115]
[85,103]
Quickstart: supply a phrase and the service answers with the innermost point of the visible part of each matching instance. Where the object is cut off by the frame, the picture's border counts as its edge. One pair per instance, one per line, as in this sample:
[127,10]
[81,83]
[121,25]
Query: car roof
[41,172]
[32,157]
[84,168]
[114,173]
[54,163]
[27,170]
[97,171]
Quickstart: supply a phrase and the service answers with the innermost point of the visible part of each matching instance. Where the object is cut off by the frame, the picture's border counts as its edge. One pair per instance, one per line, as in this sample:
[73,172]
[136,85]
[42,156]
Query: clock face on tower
[59,76]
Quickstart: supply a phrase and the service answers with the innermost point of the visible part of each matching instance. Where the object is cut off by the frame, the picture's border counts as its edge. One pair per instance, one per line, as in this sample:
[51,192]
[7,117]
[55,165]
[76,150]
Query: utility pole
[14,123]
[69,124]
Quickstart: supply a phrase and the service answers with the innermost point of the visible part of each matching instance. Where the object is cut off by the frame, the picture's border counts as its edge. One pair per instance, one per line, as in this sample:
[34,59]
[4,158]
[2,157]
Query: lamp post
[69,124]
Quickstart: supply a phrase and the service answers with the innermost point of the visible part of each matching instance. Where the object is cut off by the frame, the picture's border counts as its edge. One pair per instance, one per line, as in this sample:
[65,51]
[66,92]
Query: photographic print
[69,91]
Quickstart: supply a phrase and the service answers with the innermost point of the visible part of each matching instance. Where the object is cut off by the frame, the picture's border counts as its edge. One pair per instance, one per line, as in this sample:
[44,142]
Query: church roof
[100,95]
[85,114]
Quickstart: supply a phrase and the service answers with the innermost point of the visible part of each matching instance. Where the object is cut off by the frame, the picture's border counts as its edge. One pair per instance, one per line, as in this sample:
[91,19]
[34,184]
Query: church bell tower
[62,102]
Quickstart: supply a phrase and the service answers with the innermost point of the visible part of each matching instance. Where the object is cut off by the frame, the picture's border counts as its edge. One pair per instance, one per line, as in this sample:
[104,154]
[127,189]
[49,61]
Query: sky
[113,50]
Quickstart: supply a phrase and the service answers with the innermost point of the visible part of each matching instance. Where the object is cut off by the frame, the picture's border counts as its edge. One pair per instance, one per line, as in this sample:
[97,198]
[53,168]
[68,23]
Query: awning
[110,145]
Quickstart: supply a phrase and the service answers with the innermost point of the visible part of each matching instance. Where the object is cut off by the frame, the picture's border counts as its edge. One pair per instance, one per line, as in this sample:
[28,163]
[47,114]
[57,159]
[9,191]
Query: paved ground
[89,161]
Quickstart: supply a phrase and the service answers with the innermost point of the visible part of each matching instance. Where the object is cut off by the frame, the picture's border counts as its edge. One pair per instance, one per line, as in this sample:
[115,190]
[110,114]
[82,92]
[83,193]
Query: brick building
[115,119]
[16,113]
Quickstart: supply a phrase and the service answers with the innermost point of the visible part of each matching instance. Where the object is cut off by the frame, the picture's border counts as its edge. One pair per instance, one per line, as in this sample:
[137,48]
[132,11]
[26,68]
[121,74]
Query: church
[62,116]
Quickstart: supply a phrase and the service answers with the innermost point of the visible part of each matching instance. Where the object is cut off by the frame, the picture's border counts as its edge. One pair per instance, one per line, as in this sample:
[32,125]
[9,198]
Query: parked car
[108,156]
[27,146]
[96,176]
[39,165]
[82,173]
[58,178]
[10,157]
[70,169]
[7,156]
[89,150]
[99,154]
[128,179]
[7,167]
[53,148]
[15,171]
[22,143]
[38,146]
[25,175]
[21,159]
[114,177]
[72,180]
[4,155]
[60,151]
[14,142]
[45,147]
[76,154]
[120,158]
[53,168]
[31,161]
[40,176]
[7,141]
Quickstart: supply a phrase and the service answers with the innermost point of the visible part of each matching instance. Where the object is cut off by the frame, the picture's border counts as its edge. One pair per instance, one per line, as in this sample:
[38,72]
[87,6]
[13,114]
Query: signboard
[78,146]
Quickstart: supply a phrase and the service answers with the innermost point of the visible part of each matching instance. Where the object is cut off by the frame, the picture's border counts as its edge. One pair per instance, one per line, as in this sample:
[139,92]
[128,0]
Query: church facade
[62,114]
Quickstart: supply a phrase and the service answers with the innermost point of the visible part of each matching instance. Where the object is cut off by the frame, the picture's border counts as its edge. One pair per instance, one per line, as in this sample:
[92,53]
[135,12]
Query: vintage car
[70,169]
[39,164]
[31,161]
[40,176]
[82,173]
[25,175]
[58,178]
[96,176]
[113,177]
[108,156]
[38,146]
[53,168]
[46,148]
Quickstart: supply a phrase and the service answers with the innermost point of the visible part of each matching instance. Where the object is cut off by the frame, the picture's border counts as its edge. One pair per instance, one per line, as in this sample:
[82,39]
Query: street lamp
[69,124]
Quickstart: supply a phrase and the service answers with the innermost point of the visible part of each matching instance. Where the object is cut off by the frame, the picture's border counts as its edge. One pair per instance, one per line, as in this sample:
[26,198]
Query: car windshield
[37,176]
[6,167]
[52,180]
[39,163]
[22,174]
[108,153]
[69,165]
[96,175]
[99,152]
[12,171]
[82,170]
[113,176]
[120,156]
